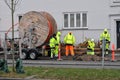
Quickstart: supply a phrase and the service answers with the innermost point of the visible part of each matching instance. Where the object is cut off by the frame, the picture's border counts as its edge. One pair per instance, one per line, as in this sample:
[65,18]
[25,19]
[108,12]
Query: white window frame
[81,20]
[114,3]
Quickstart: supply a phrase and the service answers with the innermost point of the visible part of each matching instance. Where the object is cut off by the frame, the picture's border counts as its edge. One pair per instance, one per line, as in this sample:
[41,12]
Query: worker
[69,41]
[105,35]
[57,44]
[90,47]
[52,44]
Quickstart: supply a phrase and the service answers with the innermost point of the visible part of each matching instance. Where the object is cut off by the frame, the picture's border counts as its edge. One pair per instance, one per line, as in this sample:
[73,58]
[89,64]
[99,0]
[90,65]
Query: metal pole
[5,46]
[12,13]
[103,51]
[20,48]
[5,50]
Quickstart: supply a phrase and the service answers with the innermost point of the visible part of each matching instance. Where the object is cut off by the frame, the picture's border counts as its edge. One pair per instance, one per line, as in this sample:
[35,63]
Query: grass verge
[66,73]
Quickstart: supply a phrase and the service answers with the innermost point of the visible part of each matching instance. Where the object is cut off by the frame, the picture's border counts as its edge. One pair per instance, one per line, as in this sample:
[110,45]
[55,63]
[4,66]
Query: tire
[24,54]
[33,54]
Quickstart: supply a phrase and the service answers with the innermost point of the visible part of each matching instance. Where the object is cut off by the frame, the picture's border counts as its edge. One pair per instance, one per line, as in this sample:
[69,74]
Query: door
[118,33]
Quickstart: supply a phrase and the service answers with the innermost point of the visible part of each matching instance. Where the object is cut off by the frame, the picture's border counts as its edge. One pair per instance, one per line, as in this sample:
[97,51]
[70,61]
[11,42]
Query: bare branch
[15,3]
[8,3]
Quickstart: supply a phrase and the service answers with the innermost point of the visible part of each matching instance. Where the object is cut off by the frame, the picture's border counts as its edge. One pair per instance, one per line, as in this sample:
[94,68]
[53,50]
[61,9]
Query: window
[75,20]
[84,18]
[19,17]
[71,20]
[65,20]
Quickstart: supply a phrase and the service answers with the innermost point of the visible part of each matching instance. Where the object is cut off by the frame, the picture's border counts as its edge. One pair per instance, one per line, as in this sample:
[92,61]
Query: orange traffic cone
[113,52]
[59,55]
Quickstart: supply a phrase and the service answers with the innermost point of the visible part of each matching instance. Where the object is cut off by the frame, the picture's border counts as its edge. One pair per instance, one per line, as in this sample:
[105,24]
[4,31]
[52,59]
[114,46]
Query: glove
[89,49]
[52,47]
[56,44]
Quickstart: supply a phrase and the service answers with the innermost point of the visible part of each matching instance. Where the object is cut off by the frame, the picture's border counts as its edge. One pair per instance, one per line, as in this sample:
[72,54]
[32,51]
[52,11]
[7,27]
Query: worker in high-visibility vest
[90,47]
[52,44]
[69,41]
[57,43]
[105,35]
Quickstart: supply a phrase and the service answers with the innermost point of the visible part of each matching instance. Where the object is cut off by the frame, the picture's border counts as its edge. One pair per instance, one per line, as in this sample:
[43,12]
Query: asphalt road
[70,64]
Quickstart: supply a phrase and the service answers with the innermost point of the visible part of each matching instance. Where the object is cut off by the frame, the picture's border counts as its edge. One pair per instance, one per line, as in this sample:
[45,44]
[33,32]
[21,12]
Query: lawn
[65,73]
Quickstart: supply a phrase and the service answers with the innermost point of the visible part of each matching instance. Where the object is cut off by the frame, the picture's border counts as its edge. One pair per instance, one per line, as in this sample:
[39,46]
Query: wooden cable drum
[36,28]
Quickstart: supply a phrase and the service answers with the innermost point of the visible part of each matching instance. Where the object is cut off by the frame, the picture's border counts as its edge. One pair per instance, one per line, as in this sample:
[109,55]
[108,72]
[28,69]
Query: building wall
[98,12]
[114,16]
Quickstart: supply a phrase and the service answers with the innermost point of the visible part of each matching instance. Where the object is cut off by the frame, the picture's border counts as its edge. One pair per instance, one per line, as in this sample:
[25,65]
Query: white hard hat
[105,29]
[92,39]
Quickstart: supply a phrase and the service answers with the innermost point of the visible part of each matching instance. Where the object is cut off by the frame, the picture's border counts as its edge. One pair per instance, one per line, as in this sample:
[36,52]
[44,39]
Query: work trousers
[69,47]
[107,45]
[54,51]
[90,52]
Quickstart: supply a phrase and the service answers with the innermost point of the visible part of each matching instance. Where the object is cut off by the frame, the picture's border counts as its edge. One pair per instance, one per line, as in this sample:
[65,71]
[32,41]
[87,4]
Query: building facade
[84,18]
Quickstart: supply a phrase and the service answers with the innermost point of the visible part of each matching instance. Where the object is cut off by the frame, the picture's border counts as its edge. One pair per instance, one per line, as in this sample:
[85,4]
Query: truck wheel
[33,54]
[24,54]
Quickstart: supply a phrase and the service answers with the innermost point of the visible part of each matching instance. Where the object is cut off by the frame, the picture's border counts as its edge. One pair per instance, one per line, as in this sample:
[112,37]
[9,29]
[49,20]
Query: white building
[85,18]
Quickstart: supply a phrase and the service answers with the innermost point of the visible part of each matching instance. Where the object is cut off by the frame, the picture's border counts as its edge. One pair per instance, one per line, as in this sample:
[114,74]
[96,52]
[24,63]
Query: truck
[35,30]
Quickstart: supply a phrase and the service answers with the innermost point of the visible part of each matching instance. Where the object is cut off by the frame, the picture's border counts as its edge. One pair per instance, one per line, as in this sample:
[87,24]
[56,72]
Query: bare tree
[12,4]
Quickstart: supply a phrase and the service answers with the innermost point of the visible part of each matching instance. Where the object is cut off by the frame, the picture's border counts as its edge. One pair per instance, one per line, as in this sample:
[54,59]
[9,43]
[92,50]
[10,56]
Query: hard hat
[92,40]
[105,30]
[59,33]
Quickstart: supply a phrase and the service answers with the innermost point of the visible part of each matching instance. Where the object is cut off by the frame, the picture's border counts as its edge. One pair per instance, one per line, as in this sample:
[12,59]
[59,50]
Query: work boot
[106,54]
[74,57]
[51,58]
[55,58]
